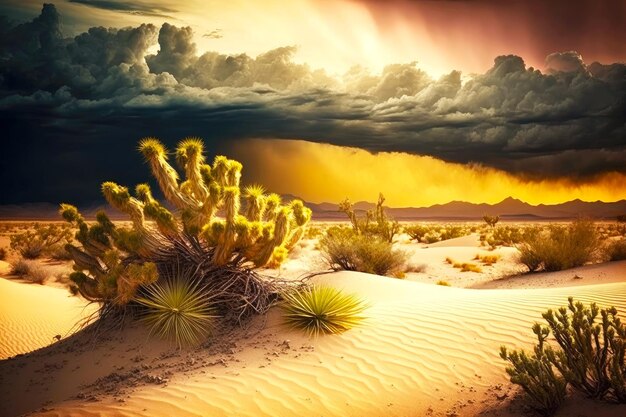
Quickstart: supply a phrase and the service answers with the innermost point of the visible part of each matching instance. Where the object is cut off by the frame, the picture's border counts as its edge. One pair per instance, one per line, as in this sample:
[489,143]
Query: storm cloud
[80,104]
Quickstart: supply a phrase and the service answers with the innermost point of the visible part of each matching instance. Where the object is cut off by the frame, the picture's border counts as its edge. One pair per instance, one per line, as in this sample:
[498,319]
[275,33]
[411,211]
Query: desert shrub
[345,250]
[178,308]
[504,236]
[590,354]
[376,222]
[491,220]
[487,260]
[321,310]
[431,237]
[559,247]
[414,267]
[616,251]
[470,267]
[32,244]
[3,254]
[29,271]
[417,231]
[452,232]
[593,343]
[20,267]
[209,231]
[443,283]
[534,372]
[59,253]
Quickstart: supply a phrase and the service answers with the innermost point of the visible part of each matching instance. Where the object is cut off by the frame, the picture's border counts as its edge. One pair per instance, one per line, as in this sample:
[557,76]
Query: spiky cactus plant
[206,230]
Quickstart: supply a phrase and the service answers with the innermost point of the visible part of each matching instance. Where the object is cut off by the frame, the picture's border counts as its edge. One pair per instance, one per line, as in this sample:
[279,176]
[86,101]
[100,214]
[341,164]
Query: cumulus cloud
[144,9]
[104,82]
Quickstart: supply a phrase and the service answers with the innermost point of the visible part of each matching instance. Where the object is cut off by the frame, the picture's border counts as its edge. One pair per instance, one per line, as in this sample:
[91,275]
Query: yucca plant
[322,310]
[178,308]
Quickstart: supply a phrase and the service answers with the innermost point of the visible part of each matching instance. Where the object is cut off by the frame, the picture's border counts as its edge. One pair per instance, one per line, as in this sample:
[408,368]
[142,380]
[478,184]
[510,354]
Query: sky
[426,101]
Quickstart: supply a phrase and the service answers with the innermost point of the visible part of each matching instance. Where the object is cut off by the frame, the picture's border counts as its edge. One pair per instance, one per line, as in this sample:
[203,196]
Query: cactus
[384,228]
[209,230]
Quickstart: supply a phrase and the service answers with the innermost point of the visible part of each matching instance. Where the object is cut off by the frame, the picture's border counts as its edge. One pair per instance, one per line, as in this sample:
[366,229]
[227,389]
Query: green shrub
[31,244]
[321,310]
[345,250]
[590,356]
[592,342]
[178,308]
[616,251]
[535,374]
[559,247]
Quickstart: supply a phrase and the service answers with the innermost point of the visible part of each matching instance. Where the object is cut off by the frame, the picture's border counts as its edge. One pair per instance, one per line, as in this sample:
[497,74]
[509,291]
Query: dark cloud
[75,107]
[134,7]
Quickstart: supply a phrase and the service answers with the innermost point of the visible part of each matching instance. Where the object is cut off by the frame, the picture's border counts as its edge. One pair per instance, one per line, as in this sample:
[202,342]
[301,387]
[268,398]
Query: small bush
[504,236]
[3,254]
[535,374]
[487,260]
[30,271]
[416,232]
[31,244]
[590,357]
[443,283]
[559,247]
[345,250]
[59,253]
[617,250]
[412,267]
[20,267]
[178,309]
[322,310]
[469,267]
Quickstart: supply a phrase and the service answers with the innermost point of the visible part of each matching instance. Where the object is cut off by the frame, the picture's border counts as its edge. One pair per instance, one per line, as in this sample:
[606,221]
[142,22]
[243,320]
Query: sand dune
[31,315]
[424,350]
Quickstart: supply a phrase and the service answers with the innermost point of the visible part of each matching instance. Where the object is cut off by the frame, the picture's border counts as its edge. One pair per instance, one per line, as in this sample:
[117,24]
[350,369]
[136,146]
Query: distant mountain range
[508,209]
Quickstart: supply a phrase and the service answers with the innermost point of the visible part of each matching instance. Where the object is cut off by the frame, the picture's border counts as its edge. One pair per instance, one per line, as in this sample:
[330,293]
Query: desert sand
[423,350]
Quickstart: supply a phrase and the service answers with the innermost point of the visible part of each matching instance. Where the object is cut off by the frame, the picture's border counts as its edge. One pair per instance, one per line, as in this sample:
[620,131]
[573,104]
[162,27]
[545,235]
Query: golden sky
[327,173]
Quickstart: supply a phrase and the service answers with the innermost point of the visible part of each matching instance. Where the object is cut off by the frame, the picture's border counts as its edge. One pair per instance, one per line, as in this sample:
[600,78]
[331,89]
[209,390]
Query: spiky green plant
[216,229]
[322,310]
[178,309]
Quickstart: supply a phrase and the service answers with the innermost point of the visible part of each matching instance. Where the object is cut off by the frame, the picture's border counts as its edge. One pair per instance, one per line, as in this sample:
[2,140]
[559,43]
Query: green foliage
[589,357]
[321,310]
[559,247]
[593,343]
[343,249]
[491,220]
[536,375]
[374,223]
[215,228]
[178,308]
[32,244]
